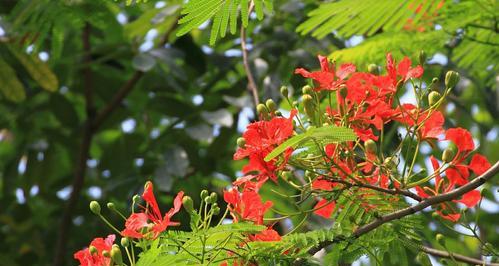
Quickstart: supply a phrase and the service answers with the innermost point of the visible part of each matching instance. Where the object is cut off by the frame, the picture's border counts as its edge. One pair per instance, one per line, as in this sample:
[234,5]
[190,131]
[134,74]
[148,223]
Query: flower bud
[207,199]
[216,210]
[307,89]
[284,92]
[343,91]
[271,105]
[373,69]
[451,79]
[423,259]
[93,250]
[204,193]
[422,57]
[116,255]
[484,192]
[213,197]
[135,198]
[309,106]
[111,206]
[106,254]
[262,110]
[370,146]
[433,97]
[435,215]
[277,113]
[95,207]
[125,242]
[440,239]
[241,142]
[448,155]
[188,204]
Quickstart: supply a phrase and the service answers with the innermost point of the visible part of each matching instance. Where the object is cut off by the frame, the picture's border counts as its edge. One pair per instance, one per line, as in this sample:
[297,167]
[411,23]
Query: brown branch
[455,256]
[81,164]
[454,194]
[251,80]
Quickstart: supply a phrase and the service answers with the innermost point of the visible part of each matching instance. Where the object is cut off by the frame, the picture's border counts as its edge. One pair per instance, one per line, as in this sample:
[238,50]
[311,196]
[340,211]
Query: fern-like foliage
[223,12]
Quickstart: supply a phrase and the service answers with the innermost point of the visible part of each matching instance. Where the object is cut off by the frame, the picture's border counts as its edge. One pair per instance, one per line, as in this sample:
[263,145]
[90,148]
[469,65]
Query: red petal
[403,67]
[323,184]
[461,137]
[470,199]
[416,72]
[421,192]
[345,70]
[453,217]
[479,164]
[326,210]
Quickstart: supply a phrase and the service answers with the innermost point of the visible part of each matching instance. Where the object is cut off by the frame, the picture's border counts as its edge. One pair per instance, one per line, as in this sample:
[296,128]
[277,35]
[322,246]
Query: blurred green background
[105,95]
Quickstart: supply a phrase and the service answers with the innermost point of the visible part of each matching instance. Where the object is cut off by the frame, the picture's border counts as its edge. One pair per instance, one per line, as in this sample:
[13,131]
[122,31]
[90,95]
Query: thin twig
[454,194]
[455,256]
[251,80]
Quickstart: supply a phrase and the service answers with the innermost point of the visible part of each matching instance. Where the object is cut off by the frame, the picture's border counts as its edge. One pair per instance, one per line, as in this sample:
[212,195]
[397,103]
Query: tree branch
[81,164]
[454,194]
[251,80]
[455,256]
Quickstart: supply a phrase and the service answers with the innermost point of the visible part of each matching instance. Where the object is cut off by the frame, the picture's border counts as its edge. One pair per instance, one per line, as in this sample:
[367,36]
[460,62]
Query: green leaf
[332,133]
[223,12]
[10,86]
[37,69]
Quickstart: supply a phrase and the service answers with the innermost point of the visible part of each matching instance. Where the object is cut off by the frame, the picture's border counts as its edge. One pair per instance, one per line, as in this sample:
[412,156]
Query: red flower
[246,206]
[323,184]
[266,235]
[328,78]
[97,259]
[403,69]
[135,224]
[326,208]
[479,164]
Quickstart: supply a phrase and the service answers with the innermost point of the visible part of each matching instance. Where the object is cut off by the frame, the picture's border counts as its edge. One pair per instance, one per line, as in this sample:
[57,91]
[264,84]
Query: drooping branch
[454,194]
[455,256]
[251,80]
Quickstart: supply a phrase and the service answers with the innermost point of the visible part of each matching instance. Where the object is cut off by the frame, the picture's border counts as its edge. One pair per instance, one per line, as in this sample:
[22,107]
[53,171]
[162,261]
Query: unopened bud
[188,204]
[93,250]
[216,210]
[484,192]
[448,155]
[373,69]
[423,259]
[435,215]
[135,198]
[433,98]
[271,105]
[451,79]
[116,255]
[262,109]
[213,197]
[370,146]
[241,142]
[125,242]
[95,207]
[284,92]
[111,206]
[422,57]
[207,199]
[277,113]
[308,104]
[440,239]
[106,254]
[204,193]
[307,89]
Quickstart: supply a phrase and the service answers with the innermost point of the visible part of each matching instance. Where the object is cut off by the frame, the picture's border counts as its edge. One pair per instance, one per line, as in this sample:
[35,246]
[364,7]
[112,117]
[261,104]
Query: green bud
[93,250]
[204,193]
[423,259]
[111,206]
[95,207]
[277,113]
[373,69]
[213,197]
[422,57]
[434,84]
[106,254]
[451,79]
[343,91]
[370,146]
[435,215]
[262,110]
[440,239]
[188,204]
[207,199]
[135,198]
[308,104]
[125,242]
[216,211]
[433,97]
[284,92]
[241,142]
[448,155]
[307,89]
[116,255]
[295,103]
[271,105]
[484,192]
